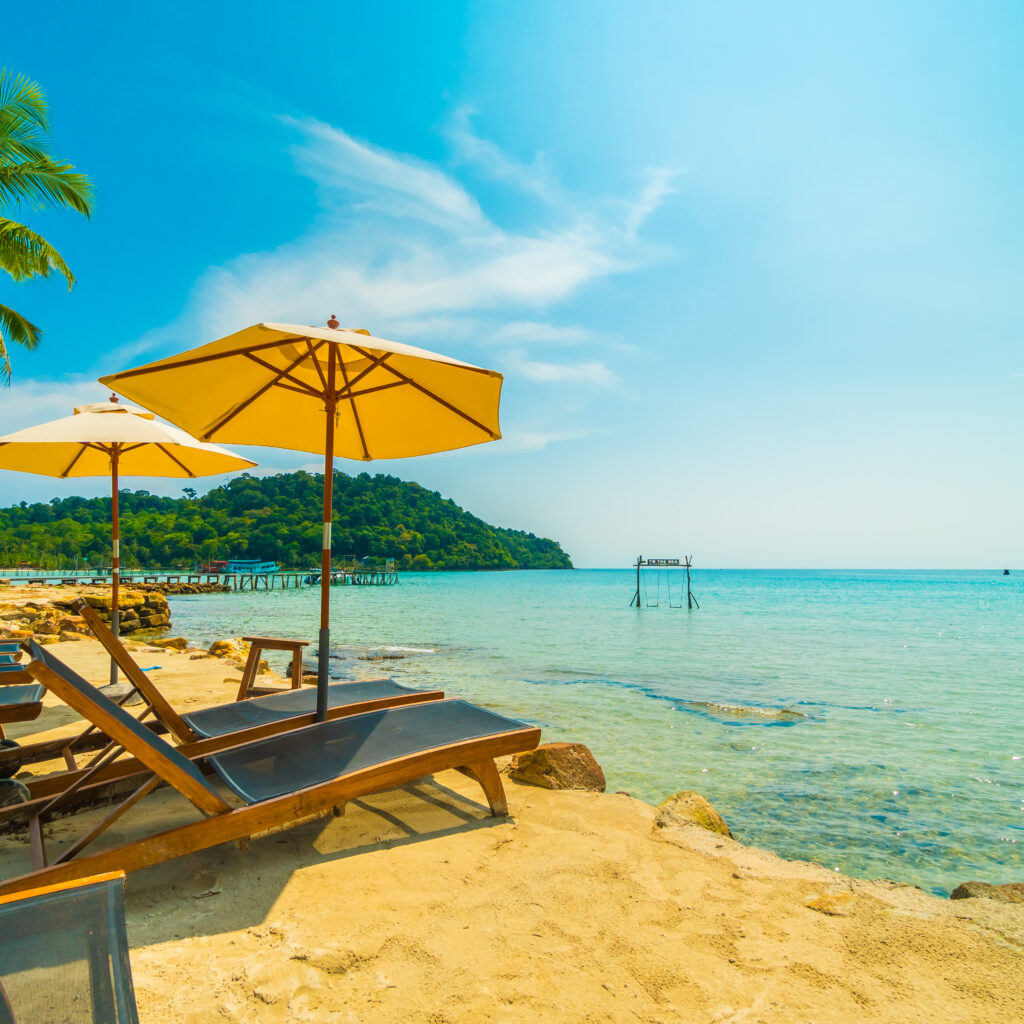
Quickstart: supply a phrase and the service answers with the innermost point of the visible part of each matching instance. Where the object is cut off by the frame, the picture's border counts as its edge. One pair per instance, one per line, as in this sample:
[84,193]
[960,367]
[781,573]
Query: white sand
[415,906]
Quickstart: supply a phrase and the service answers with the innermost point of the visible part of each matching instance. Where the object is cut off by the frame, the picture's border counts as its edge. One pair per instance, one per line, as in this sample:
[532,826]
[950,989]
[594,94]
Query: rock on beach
[558,766]
[1011,892]
[690,808]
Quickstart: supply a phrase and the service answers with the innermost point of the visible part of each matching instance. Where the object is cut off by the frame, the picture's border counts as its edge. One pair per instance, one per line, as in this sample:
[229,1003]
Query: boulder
[66,635]
[47,627]
[690,808]
[558,766]
[1011,892]
[237,651]
[73,624]
[174,643]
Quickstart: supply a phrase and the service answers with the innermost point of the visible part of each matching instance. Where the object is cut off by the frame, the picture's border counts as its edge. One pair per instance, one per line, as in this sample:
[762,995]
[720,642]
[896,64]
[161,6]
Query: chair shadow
[212,891]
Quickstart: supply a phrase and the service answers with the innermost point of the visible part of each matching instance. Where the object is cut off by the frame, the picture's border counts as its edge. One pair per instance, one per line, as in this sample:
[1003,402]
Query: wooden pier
[236,581]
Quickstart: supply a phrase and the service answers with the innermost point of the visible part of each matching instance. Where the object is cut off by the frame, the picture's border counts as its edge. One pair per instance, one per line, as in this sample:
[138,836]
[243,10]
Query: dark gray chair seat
[244,714]
[319,753]
[64,956]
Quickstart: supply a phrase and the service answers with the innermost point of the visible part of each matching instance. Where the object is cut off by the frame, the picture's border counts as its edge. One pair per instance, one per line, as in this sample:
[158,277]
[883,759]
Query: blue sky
[752,272]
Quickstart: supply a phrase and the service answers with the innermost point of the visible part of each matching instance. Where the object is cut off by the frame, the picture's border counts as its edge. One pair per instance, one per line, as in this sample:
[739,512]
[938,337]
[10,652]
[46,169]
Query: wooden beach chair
[64,955]
[278,781]
[10,655]
[287,709]
[21,700]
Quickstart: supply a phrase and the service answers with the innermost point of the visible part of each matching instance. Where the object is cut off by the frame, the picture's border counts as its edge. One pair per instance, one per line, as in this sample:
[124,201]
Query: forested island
[274,518]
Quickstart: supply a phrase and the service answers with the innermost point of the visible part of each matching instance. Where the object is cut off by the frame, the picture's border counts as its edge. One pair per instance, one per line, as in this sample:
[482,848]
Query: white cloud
[31,401]
[518,441]
[468,147]
[591,372]
[520,331]
[403,249]
[395,183]
[659,186]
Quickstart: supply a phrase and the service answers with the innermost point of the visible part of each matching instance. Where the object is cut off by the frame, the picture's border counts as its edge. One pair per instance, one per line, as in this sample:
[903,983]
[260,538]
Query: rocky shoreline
[53,620]
[46,614]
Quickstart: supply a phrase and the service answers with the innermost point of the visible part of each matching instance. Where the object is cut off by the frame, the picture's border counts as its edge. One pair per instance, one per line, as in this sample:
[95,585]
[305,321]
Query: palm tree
[30,176]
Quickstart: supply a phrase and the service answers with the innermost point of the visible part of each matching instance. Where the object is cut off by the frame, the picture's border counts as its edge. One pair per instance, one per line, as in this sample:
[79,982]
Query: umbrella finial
[333,323]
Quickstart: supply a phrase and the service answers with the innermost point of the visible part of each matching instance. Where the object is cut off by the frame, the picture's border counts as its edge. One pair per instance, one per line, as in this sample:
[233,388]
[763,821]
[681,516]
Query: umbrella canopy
[267,385]
[108,439]
[84,445]
[324,390]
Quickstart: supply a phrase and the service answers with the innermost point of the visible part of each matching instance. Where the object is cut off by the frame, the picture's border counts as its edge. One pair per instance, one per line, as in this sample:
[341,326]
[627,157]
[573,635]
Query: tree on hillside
[30,177]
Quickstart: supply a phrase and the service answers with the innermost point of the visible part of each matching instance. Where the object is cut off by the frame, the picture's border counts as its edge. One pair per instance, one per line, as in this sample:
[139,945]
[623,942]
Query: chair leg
[486,773]
[252,663]
[37,844]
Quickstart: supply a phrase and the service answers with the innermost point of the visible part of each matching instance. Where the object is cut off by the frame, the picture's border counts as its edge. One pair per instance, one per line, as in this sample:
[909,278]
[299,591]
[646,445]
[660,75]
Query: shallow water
[870,721]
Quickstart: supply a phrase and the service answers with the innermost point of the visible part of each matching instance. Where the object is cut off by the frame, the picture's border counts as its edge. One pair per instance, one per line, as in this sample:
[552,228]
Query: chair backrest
[64,955]
[127,664]
[152,750]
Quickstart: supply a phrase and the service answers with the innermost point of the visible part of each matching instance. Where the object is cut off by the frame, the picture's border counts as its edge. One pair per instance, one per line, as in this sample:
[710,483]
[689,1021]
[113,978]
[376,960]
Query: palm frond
[46,183]
[23,99]
[14,328]
[25,254]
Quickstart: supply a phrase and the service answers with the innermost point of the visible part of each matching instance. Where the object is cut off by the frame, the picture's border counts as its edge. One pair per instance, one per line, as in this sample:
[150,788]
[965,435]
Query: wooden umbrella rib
[195,360]
[375,361]
[313,349]
[352,406]
[71,464]
[181,465]
[228,417]
[300,391]
[437,398]
[298,384]
[349,396]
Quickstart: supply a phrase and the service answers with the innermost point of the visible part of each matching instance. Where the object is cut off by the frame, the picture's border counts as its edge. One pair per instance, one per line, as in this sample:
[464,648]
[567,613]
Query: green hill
[274,518]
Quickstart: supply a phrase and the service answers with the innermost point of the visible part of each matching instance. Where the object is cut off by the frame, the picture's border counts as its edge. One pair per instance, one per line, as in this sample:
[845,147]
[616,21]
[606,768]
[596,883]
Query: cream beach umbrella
[325,390]
[108,439]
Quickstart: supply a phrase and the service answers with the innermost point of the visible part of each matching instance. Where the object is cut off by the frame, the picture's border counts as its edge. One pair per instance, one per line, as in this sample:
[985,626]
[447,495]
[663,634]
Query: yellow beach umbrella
[331,391]
[108,439]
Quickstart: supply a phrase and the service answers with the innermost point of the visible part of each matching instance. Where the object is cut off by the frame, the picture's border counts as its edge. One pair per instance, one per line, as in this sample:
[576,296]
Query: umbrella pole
[324,653]
[115,564]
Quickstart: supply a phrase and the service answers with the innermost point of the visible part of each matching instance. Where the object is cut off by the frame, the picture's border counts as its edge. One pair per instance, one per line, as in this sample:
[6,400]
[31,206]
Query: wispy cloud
[36,401]
[526,440]
[519,331]
[396,183]
[404,249]
[468,147]
[590,372]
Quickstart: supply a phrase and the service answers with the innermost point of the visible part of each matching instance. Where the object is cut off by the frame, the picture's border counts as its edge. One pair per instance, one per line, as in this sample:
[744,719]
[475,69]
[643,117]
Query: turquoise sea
[872,721]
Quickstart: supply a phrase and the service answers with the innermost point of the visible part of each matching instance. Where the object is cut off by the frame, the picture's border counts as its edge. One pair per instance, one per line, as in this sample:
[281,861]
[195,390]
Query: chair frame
[223,823]
[167,719]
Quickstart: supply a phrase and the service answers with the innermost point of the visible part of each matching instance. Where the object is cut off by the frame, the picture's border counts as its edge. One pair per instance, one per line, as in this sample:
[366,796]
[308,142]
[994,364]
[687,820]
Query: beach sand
[417,907]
